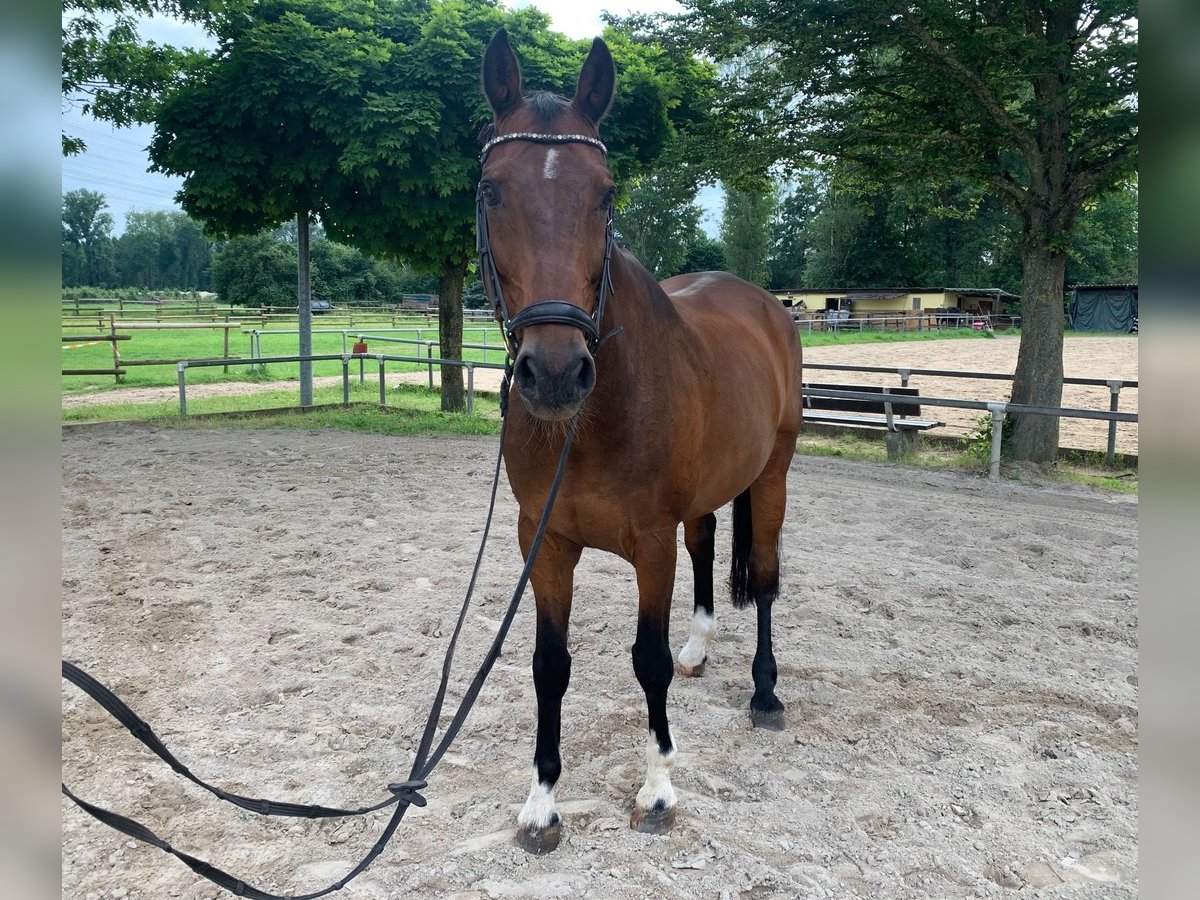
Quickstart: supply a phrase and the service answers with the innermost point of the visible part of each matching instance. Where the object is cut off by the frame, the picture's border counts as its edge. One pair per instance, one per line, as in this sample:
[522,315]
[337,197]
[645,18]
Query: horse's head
[545,211]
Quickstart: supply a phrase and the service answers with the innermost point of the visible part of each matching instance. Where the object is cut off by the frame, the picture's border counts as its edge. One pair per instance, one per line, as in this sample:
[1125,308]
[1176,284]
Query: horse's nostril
[524,376]
[585,376]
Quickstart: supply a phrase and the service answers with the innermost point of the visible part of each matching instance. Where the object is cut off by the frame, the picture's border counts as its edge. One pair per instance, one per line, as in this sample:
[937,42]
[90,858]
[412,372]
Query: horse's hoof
[539,841]
[767,719]
[690,671]
[652,821]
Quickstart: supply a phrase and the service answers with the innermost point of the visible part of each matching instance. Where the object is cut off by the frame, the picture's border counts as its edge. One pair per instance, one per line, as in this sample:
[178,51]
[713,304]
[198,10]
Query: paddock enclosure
[958,659]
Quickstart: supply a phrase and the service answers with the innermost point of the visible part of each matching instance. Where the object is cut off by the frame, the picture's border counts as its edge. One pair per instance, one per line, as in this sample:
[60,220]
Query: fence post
[1114,387]
[904,375]
[116,353]
[225,368]
[470,388]
[429,353]
[345,380]
[182,370]
[997,410]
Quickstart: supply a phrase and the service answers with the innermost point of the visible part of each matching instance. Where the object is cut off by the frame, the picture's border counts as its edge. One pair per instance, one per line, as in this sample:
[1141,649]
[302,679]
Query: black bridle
[541,312]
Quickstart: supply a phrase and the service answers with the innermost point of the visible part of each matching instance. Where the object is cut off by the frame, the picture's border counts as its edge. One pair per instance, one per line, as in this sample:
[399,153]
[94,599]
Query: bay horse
[687,396]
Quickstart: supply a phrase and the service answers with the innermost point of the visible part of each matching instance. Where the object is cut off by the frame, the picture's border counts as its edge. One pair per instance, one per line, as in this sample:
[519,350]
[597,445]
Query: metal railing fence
[1114,386]
[381,359]
[998,409]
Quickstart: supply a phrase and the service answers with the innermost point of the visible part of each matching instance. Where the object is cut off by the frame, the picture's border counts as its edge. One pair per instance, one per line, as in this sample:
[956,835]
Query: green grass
[827,338]
[1076,468]
[207,344]
[411,410]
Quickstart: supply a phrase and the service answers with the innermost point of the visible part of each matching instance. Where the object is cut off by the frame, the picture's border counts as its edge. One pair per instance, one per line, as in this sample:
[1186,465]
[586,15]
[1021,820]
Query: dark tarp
[1104,309]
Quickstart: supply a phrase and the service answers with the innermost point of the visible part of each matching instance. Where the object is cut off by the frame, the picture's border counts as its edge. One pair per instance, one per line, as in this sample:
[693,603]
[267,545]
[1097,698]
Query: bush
[979,439]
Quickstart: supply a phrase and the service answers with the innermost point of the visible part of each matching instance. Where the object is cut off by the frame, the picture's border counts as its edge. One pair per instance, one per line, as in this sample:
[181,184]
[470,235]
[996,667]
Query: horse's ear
[597,83]
[501,76]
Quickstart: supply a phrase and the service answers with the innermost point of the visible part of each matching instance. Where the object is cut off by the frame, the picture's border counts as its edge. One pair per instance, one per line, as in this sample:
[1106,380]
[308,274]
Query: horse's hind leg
[699,536]
[539,825]
[768,503]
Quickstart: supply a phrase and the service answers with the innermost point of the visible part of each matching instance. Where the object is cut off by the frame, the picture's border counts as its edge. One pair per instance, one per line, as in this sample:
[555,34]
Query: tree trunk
[1039,375]
[304,306]
[450,322]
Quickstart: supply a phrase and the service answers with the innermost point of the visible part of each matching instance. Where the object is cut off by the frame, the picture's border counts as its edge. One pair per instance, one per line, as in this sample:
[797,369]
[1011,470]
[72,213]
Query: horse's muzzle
[553,390]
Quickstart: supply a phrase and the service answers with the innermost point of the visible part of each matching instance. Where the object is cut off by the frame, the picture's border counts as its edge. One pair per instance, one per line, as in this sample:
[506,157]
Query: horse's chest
[603,509]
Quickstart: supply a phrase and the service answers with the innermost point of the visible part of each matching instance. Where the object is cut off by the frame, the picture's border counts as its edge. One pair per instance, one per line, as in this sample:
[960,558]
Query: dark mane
[546,105]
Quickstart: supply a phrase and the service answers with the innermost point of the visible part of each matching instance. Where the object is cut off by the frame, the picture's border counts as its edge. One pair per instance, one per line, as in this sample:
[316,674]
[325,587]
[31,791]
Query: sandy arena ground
[1090,357]
[959,661]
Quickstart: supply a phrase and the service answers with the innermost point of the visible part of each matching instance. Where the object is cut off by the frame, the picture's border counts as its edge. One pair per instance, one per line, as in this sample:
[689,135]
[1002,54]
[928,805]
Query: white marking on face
[657,790]
[696,648]
[538,811]
[550,169]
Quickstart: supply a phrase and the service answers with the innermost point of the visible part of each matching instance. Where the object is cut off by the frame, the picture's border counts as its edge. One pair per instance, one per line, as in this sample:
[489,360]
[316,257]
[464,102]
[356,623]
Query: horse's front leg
[654,562]
[538,824]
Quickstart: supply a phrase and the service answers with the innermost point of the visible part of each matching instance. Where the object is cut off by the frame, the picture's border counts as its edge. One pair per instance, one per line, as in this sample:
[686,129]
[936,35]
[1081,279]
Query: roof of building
[891,293]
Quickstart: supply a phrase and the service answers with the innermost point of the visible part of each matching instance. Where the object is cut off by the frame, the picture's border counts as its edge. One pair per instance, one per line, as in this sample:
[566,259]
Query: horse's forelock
[546,105]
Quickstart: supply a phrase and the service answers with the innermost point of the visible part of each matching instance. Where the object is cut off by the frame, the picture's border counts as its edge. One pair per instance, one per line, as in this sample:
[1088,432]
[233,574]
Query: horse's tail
[739,568]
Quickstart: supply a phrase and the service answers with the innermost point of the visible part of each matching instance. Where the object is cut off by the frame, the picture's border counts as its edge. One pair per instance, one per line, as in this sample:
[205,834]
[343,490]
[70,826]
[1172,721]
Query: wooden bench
[902,423]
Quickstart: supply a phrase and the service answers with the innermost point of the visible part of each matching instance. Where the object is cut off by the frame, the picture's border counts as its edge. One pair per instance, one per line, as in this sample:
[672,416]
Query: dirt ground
[1083,357]
[1090,357]
[958,658]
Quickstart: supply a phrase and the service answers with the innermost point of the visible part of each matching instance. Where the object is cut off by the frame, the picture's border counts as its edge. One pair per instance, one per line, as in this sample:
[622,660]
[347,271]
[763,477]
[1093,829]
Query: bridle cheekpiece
[541,312]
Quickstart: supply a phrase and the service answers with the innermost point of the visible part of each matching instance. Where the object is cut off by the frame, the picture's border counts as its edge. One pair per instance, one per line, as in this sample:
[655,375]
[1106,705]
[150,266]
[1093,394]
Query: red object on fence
[977,325]
[360,347]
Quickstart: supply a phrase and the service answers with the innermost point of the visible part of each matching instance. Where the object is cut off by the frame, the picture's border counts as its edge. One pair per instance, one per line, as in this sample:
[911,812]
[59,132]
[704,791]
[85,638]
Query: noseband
[542,312]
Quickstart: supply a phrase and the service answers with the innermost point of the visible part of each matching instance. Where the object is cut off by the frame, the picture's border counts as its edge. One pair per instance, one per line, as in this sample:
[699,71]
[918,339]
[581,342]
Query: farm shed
[1103,307]
[916,302]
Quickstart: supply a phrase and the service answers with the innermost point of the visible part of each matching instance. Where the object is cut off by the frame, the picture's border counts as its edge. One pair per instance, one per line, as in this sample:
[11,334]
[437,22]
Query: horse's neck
[637,305]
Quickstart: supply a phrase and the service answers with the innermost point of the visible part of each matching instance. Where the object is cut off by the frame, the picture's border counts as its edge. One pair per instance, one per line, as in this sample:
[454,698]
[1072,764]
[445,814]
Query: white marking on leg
[538,811]
[657,791]
[696,648]
[550,169]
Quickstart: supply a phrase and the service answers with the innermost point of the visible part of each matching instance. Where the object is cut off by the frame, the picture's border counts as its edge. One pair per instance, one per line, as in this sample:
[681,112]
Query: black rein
[406,793]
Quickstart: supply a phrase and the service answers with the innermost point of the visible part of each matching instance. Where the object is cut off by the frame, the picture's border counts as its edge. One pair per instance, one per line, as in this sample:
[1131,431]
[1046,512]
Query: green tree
[87,239]
[790,238]
[161,249]
[110,71]
[366,113]
[258,270]
[1034,101]
[746,232]
[704,255]
[1104,248]
[658,220]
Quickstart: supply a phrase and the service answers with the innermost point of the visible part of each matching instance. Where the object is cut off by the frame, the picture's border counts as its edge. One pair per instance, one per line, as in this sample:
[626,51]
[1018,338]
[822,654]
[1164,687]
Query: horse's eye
[610,197]
[491,193]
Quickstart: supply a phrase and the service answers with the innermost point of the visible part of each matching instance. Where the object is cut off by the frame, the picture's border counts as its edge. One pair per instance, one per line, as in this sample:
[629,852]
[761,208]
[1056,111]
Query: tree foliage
[110,71]
[704,255]
[160,250]
[658,220]
[1034,100]
[87,246]
[366,113]
[746,233]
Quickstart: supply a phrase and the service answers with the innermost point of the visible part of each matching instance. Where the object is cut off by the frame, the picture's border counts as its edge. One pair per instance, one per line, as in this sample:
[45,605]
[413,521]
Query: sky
[116,163]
